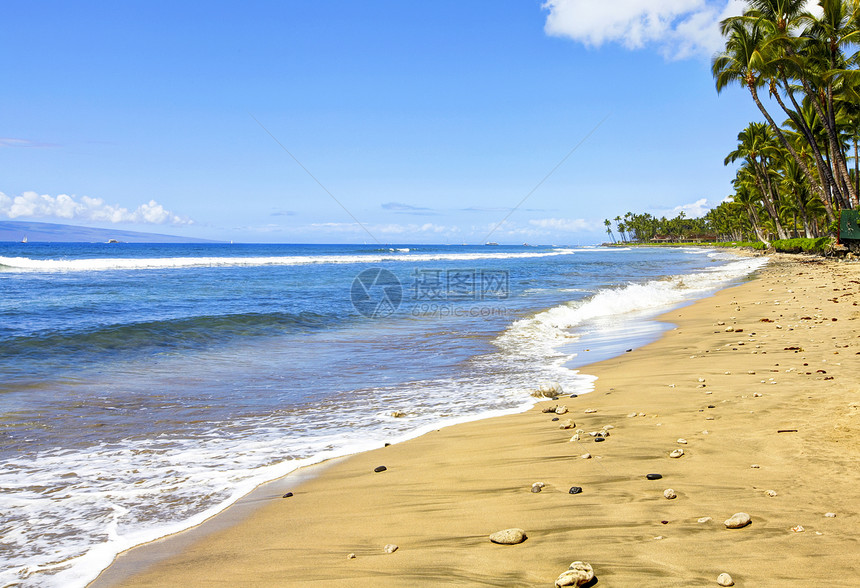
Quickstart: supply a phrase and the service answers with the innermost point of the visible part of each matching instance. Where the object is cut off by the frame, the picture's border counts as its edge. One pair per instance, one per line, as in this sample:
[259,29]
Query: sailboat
[24,240]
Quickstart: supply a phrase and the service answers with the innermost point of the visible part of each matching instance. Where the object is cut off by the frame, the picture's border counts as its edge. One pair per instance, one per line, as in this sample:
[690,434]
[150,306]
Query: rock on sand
[725,580]
[579,574]
[508,537]
[738,520]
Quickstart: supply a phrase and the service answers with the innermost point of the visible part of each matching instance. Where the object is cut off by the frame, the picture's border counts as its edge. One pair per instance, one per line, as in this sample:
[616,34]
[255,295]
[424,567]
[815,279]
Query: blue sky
[428,122]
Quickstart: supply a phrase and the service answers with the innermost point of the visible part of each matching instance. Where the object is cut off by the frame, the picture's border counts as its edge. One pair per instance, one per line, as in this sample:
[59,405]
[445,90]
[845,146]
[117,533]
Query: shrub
[818,246]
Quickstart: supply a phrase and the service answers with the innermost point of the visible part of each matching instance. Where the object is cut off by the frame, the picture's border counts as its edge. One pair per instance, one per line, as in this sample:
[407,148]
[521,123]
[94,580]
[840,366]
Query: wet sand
[763,374]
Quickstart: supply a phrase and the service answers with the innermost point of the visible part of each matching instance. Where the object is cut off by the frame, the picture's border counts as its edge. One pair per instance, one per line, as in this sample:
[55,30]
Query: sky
[300,121]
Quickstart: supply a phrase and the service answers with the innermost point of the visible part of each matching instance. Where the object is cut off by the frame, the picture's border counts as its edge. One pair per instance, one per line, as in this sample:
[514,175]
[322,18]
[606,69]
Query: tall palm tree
[746,194]
[608,224]
[746,60]
[821,45]
[757,146]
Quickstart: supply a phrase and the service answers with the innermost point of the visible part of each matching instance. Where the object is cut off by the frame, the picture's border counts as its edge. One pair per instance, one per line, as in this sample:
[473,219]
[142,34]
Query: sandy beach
[760,381]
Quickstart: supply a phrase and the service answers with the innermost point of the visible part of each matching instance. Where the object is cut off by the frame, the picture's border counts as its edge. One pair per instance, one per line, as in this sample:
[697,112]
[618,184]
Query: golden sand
[778,353]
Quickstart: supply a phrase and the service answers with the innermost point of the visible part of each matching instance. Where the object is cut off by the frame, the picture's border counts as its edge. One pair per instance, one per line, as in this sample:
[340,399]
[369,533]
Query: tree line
[794,177]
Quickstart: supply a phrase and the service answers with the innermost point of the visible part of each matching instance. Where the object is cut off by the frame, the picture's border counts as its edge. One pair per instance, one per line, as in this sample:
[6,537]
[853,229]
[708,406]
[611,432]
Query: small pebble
[590,410]
[535,489]
[682,441]
[654,476]
[669,494]
[725,580]
[350,556]
[676,453]
[755,466]
[555,419]
[830,515]
[574,490]
[287,495]
[586,456]
[771,493]
[798,529]
[379,469]
[390,548]
[599,439]
[705,520]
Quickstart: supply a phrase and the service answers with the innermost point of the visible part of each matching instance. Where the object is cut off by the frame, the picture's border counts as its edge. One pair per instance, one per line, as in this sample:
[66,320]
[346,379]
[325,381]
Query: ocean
[144,388]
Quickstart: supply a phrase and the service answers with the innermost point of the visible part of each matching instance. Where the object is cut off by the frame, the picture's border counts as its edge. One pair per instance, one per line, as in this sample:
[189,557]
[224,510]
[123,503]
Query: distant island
[32,232]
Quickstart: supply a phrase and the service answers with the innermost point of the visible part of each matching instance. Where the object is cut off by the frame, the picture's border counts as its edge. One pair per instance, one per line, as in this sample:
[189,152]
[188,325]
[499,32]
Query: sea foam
[73,265]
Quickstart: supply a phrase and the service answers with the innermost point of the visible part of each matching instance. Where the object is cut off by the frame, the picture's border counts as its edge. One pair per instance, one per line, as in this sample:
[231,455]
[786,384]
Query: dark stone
[654,476]
[287,495]
[388,445]
[555,397]
[711,406]
[665,522]
[555,419]
[574,490]
[628,351]
[599,439]
[379,469]
[574,395]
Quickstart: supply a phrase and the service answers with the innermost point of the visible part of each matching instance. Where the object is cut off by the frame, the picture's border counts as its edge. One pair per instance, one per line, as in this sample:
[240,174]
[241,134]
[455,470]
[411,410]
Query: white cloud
[695,209]
[12,142]
[679,28]
[65,207]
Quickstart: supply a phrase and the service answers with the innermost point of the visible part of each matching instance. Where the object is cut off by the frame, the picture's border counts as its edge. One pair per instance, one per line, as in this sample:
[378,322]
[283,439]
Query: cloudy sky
[342,121]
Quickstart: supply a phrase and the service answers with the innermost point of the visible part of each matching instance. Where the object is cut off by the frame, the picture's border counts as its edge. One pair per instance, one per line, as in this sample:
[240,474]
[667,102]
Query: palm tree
[746,194]
[756,146]
[608,225]
[827,37]
[748,59]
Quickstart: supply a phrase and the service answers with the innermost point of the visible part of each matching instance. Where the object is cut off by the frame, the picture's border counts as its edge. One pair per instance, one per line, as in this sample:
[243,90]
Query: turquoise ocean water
[144,388]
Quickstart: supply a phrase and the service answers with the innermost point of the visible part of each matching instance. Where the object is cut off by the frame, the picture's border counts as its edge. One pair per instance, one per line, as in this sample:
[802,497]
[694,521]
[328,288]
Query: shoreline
[429,498]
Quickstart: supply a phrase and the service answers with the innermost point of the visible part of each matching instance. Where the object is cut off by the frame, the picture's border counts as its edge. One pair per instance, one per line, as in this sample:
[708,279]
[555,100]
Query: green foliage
[794,178]
[818,246]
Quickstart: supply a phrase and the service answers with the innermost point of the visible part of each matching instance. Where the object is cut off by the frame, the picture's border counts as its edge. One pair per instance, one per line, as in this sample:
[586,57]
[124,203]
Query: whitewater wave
[72,265]
[541,335]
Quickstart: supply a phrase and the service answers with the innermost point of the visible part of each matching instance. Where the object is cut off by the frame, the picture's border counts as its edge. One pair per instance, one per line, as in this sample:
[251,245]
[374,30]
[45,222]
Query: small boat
[24,240]
[112,241]
[491,243]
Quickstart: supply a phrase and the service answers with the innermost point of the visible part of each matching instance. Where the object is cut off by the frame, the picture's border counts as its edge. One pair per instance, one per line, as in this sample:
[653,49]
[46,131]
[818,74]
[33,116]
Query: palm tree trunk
[812,180]
[829,122]
[757,225]
[856,169]
[827,178]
